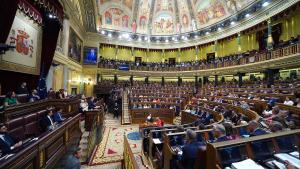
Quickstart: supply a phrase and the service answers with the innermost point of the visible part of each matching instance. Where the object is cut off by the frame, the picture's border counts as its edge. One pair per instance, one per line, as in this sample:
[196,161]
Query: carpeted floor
[112,145]
[117,165]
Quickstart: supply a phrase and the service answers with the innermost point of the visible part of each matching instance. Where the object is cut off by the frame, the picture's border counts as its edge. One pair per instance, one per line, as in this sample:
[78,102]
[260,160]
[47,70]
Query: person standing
[73,161]
[116,110]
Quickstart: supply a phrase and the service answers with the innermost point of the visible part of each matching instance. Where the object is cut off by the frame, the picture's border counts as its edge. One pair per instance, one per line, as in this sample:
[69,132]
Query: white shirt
[50,120]
[289,103]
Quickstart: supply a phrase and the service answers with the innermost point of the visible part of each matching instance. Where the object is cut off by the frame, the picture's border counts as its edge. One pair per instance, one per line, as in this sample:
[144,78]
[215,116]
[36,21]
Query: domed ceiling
[164,17]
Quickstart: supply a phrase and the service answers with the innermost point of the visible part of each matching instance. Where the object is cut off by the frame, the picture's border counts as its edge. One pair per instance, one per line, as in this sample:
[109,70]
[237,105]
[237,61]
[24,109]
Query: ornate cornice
[60,58]
[89,15]
[260,16]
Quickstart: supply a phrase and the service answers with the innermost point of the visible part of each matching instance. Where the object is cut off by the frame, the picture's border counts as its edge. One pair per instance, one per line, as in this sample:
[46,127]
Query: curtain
[8,9]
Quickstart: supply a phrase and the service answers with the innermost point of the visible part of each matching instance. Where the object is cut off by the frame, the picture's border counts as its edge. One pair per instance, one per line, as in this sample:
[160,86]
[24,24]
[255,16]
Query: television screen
[90,55]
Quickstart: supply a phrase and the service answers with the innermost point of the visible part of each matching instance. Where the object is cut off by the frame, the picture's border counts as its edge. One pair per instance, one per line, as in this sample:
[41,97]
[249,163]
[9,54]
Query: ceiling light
[145,38]
[139,39]
[196,36]
[247,15]
[102,32]
[232,23]
[109,35]
[265,4]
[219,29]
[167,40]
[126,36]
[173,38]
[207,33]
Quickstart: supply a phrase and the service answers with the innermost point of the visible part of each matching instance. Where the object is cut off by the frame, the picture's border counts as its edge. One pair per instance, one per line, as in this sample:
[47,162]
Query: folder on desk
[246,164]
[286,157]
[156,141]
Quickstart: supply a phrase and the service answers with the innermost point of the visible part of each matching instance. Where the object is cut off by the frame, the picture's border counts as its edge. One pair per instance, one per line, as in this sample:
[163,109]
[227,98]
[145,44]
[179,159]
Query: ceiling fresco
[164,17]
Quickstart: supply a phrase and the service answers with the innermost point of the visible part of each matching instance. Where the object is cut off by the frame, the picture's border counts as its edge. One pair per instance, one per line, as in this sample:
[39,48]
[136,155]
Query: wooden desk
[213,162]
[139,116]
[51,146]
[69,106]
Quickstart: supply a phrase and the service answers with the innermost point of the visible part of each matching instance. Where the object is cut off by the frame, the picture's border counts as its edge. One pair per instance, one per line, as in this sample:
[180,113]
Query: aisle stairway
[125,114]
[83,143]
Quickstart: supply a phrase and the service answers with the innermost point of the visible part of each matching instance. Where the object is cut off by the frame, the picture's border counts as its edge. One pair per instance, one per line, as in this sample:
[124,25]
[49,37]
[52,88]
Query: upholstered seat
[31,125]
[16,128]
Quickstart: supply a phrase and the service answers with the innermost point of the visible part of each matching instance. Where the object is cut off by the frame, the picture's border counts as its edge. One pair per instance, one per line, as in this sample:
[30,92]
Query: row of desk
[48,149]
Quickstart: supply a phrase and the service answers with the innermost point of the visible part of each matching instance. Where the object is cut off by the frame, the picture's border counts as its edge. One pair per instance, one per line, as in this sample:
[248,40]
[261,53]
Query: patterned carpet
[112,145]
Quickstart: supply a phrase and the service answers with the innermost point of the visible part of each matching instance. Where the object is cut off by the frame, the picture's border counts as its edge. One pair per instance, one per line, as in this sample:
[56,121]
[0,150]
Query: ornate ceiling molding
[89,15]
[260,16]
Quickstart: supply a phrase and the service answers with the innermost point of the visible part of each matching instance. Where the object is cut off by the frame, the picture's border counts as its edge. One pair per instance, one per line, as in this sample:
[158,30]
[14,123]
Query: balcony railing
[245,59]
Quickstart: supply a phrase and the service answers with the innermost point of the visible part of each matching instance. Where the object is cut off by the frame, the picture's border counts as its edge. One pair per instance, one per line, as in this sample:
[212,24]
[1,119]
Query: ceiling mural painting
[184,17]
[143,16]
[115,14]
[168,17]
[163,18]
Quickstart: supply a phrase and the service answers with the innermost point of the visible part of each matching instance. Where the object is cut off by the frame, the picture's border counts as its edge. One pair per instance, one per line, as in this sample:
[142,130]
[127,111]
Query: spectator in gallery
[190,149]
[159,122]
[10,99]
[47,122]
[22,89]
[34,96]
[57,116]
[73,161]
[288,102]
[254,129]
[219,132]
[7,143]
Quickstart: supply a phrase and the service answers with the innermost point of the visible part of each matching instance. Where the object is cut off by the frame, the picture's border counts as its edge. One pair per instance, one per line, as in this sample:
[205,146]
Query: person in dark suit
[22,89]
[219,133]
[47,122]
[91,104]
[116,110]
[73,161]
[7,144]
[255,130]
[57,116]
[190,150]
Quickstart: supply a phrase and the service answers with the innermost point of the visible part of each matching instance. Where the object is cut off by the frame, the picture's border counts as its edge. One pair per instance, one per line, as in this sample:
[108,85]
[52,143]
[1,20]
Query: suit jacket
[189,154]
[57,117]
[91,105]
[6,143]
[45,123]
[72,163]
[258,132]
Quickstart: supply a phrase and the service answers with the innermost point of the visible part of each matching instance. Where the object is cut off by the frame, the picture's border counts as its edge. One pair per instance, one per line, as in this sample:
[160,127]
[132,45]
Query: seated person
[7,144]
[268,111]
[34,96]
[254,129]
[46,122]
[288,102]
[83,105]
[57,117]
[10,99]
[219,133]
[23,89]
[149,118]
[190,150]
[158,122]
[91,104]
